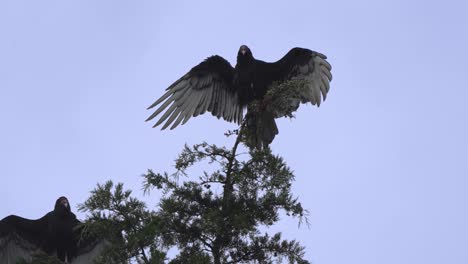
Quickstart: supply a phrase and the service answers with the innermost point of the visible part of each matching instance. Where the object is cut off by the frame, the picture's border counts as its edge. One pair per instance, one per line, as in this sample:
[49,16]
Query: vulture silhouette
[215,86]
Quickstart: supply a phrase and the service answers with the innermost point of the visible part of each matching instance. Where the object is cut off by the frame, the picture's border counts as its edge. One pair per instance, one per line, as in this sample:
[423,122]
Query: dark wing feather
[14,248]
[32,230]
[206,87]
[19,237]
[311,66]
[22,238]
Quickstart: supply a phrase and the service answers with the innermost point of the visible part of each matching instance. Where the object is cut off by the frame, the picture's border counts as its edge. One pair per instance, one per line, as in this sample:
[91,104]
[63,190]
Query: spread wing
[20,237]
[33,231]
[20,240]
[14,248]
[206,87]
[307,65]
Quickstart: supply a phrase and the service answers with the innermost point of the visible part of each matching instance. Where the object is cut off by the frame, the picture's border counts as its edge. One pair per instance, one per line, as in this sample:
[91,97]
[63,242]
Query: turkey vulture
[215,86]
[56,233]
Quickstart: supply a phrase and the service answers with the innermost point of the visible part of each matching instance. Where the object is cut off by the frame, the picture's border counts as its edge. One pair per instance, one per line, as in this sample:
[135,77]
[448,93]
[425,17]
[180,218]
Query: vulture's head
[244,53]
[62,204]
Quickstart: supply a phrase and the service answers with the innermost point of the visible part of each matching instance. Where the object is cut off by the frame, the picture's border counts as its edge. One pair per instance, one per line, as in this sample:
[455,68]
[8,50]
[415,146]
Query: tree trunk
[228,189]
[216,255]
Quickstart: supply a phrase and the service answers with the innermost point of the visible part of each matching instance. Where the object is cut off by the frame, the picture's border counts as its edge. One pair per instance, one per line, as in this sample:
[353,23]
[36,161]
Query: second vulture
[215,86]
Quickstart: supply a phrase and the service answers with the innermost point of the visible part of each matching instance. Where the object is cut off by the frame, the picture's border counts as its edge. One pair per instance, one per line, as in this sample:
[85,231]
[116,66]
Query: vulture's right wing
[16,245]
[206,87]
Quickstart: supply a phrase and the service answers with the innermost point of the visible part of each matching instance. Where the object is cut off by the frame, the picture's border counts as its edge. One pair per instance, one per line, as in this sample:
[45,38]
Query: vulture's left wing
[307,65]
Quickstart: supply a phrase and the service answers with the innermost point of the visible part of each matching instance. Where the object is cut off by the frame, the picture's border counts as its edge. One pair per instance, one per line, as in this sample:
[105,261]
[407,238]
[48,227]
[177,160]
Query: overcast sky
[382,165]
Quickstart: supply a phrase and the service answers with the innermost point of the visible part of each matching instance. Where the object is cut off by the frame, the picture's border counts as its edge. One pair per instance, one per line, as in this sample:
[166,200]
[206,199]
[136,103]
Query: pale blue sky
[382,165]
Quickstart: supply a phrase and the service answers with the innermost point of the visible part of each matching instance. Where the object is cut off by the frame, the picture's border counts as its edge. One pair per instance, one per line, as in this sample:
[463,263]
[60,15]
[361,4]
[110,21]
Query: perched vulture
[215,86]
[57,234]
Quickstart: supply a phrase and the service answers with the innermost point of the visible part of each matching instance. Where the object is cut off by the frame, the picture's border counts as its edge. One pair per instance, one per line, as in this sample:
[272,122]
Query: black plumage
[52,233]
[58,233]
[215,86]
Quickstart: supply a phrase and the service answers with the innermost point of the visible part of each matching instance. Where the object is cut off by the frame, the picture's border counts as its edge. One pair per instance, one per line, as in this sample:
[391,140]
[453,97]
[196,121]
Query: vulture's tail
[262,129]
